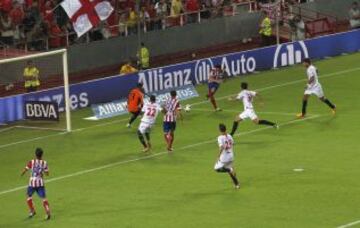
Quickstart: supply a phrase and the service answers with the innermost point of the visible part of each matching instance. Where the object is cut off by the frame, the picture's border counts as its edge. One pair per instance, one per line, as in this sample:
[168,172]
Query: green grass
[182,190]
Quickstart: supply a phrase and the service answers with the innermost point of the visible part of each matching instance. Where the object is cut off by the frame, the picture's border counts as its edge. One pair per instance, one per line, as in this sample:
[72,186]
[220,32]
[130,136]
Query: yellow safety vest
[31,76]
[144,57]
[266,27]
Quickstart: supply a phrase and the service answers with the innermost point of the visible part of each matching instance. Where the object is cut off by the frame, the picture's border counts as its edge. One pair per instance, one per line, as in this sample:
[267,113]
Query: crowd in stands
[43,24]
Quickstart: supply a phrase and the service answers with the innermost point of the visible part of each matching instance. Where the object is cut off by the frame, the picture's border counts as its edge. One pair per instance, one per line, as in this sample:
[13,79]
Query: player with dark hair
[171,111]
[135,102]
[247,96]
[215,78]
[38,167]
[313,87]
[226,155]
[150,110]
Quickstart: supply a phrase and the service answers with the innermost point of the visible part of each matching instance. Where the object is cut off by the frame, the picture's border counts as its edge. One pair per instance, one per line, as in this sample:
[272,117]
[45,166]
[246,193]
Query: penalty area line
[349,224]
[155,155]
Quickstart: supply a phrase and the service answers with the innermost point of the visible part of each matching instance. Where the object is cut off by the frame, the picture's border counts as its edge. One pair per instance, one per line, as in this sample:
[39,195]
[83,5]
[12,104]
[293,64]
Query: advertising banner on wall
[193,72]
[41,110]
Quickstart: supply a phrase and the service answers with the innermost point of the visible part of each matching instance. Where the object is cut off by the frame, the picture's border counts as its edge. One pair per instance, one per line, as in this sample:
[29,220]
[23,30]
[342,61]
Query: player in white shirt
[313,87]
[226,155]
[151,111]
[247,96]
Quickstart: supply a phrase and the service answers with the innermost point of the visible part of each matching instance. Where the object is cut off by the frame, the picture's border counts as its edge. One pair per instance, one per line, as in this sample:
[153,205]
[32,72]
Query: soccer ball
[187,108]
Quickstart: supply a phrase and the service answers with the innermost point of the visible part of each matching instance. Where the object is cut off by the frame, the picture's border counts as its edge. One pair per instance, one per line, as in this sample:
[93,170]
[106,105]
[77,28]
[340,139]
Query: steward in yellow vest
[144,57]
[266,30]
[31,77]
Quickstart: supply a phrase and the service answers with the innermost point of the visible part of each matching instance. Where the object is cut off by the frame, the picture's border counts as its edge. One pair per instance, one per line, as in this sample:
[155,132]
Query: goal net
[34,93]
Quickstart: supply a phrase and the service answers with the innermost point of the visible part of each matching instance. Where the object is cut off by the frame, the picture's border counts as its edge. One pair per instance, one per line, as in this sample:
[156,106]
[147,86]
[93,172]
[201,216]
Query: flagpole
[53,9]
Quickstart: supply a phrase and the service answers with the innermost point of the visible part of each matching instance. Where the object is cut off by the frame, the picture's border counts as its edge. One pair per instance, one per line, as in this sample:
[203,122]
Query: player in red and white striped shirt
[171,110]
[215,78]
[38,168]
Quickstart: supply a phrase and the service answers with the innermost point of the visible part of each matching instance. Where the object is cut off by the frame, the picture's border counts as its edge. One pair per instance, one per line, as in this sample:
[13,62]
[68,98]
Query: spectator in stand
[265,30]
[144,17]
[176,10]
[354,15]
[7,30]
[55,34]
[28,22]
[105,30]
[122,24]
[217,8]
[152,16]
[34,11]
[132,21]
[192,8]
[6,6]
[37,37]
[144,57]
[31,77]
[127,68]
[161,12]
[205,9]
[47,13]
[17,14]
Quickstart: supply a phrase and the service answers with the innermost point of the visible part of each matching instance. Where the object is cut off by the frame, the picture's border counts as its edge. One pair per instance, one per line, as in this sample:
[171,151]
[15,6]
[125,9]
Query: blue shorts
[39,190]
[213,86]
[169,126]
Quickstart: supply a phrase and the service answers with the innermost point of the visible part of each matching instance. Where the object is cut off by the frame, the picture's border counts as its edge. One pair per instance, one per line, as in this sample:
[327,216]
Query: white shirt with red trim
[151,111]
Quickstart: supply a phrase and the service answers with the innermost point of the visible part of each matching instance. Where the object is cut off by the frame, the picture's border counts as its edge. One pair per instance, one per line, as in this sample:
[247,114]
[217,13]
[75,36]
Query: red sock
[213,102]
[46,206]
[30,204]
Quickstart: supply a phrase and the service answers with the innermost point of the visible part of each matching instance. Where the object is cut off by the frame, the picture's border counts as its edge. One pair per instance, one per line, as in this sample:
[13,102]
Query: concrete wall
[109,52]
[167,41]
[338,8]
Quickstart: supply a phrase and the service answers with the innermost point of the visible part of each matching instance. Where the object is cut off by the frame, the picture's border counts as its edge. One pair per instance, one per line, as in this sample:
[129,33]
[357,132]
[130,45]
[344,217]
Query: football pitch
[306,174]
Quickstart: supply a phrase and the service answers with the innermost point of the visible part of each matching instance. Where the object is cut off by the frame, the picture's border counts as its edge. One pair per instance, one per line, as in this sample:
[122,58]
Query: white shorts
[220,165]
[144,128]
[226,160]
[315,90]
[248,113]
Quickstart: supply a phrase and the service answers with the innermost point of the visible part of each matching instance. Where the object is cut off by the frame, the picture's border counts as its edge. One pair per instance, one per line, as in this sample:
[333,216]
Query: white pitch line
[196,103]
[154,155]
[39,128]
[239,111]
[349,224]
[6,129]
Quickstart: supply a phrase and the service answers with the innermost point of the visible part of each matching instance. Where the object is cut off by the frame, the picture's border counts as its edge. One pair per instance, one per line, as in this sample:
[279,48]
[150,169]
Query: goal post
[65,73]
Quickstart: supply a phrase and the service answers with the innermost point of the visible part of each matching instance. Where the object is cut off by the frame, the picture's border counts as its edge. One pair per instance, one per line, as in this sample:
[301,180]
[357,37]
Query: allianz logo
[232,66]
[157,79]
[290,54]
